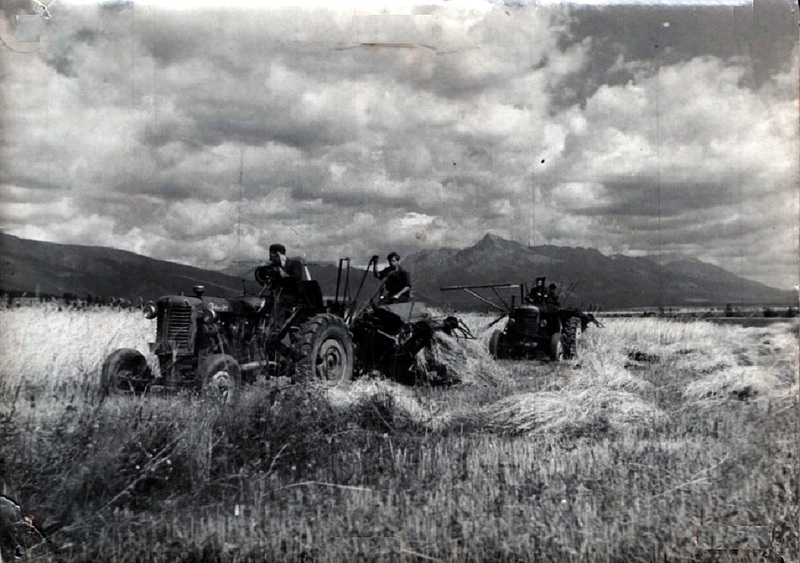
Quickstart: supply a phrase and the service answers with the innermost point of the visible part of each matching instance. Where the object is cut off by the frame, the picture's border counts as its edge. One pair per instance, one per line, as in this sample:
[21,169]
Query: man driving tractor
[284,273]
[284,276]
[537,293]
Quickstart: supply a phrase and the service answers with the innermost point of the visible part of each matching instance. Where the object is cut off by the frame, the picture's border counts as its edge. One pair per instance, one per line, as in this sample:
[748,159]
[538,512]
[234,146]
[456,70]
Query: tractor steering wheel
[267,276]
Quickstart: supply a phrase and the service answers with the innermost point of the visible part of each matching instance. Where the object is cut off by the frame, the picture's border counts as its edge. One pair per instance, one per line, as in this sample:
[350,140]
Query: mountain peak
[669,258]
[491,240]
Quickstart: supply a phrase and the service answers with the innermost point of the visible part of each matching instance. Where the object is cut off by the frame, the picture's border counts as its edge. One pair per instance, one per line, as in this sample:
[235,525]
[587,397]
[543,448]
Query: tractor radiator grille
[175,329]
[528,324]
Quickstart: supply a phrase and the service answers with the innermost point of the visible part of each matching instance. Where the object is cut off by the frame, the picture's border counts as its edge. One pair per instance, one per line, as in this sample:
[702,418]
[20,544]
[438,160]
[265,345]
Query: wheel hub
[221,382]
[330,360]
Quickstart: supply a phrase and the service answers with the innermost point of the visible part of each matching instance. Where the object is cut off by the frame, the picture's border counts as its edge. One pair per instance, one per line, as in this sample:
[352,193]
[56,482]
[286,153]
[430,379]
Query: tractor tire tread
[569,338]
[307,339]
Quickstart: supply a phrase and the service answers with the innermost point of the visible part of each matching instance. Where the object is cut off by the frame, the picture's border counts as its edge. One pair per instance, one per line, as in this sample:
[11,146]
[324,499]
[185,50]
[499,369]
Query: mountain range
[590,278]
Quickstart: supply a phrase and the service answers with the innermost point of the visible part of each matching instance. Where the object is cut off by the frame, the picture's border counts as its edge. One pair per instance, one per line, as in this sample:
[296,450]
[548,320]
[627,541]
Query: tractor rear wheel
[324,350]
[556,349]
[497,346]
[569,338]
[125,372]
[220,379]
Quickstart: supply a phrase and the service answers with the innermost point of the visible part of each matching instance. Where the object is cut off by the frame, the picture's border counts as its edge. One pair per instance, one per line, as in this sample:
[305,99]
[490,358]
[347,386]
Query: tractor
[215,344]
[395,339]
[535,328]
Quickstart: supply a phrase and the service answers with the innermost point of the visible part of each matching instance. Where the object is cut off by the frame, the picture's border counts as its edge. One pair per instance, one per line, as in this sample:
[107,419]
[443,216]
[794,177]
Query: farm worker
[286,273]
[284,276]
[552,296]
[537,293]
[396,280]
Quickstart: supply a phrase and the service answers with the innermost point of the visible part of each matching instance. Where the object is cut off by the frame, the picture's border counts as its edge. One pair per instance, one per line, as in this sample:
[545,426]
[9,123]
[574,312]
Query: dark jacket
[396,279]
[537,295]
[287,278]
[292,281]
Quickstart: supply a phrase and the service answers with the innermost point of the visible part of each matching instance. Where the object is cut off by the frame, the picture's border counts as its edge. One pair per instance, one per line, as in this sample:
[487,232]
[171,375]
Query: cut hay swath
[600,372]
[403,404]
[468,363]
[570,411]
[739,382]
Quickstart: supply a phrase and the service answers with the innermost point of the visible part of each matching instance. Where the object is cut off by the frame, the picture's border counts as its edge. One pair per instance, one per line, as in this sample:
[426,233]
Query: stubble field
[663,440]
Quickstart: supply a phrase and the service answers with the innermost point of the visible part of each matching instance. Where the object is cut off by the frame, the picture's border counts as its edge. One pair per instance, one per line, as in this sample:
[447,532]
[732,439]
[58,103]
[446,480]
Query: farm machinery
[535,327]
[215,344]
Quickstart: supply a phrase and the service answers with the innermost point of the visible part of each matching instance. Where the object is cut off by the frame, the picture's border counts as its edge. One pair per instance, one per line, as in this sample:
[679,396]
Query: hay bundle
[738,382]
[571,412]
[466,361]
[599,372]
[398,403]
[530,412]
[706,359]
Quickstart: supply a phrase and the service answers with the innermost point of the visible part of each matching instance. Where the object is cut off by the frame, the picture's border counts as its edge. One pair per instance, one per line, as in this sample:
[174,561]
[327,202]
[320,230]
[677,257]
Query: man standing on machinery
[396,280]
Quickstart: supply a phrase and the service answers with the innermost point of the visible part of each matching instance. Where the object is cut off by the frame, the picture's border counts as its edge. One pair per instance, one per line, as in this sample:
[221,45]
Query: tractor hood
[529,309]
[180,300]
[245,304]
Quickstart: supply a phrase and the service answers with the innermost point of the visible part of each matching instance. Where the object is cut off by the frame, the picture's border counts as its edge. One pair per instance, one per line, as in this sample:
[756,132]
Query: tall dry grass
[47,347]
[658,430]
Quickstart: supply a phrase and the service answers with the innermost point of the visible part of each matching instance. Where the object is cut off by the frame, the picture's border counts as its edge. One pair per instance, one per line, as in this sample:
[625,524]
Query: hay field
[660,435]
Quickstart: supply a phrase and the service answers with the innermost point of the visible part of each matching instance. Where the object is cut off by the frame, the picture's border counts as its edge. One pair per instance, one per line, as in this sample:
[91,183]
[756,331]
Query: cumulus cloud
[204,135]
[691,160]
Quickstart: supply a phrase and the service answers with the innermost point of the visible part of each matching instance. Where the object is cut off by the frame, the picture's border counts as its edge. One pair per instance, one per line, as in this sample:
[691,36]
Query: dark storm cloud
[115,6]
[662,199]
[359,199]
[165,40]
[169,190]
[764,32]
[270,124]
[34,180]
[62,56]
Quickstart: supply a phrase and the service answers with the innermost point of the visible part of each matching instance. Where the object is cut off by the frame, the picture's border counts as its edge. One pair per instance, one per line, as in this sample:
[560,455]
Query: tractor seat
[411,311]
[247,305]
[310,293]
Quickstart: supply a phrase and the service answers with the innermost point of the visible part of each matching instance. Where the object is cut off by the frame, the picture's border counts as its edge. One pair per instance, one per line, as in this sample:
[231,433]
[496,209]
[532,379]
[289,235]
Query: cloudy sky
[202,135]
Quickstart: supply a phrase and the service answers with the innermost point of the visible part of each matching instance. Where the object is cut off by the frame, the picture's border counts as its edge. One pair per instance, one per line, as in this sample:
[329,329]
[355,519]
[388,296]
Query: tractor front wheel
[219,378]
[497,346]
[125,372]
[324,350]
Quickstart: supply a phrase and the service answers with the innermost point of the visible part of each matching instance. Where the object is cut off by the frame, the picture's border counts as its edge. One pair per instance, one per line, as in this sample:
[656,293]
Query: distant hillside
[597,280]
[698,269]
[608,282]
[56,269]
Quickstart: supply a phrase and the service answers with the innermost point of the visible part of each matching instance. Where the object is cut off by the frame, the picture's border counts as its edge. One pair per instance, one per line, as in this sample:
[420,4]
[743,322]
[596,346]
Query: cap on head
[393,255]
[539,281]
[277,248]
[552,286]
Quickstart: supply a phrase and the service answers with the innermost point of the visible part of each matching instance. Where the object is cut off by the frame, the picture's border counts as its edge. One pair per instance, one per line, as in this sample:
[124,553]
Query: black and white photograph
[404,281]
